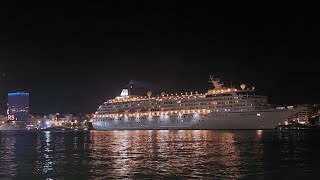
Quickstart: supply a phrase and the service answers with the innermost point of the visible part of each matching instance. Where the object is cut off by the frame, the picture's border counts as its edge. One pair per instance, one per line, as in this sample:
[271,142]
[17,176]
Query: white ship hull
[267,119]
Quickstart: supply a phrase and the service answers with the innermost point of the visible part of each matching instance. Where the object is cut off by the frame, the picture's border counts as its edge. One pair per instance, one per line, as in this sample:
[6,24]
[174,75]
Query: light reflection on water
[159,154]
[7,155]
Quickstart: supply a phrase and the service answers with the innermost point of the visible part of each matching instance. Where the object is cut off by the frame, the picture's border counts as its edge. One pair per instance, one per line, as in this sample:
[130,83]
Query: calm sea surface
[163,154]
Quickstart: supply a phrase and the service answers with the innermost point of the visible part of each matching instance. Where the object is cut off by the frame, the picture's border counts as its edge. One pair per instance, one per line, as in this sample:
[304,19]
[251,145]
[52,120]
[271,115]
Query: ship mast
[216,82]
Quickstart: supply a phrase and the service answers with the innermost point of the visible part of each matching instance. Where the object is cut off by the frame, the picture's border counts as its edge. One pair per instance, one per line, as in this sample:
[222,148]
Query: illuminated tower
[18,106]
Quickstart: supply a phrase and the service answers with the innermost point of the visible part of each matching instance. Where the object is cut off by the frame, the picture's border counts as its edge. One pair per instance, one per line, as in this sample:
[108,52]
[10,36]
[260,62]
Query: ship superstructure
[219,108]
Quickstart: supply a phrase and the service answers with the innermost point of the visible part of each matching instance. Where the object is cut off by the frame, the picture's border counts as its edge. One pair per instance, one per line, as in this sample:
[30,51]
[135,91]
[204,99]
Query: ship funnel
[124,92]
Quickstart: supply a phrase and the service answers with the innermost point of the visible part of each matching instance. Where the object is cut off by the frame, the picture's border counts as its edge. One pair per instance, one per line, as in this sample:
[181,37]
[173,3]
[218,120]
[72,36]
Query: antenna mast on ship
[130,90]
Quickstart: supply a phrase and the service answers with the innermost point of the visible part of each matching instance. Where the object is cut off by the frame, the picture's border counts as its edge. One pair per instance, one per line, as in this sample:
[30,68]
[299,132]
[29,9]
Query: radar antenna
[216,82]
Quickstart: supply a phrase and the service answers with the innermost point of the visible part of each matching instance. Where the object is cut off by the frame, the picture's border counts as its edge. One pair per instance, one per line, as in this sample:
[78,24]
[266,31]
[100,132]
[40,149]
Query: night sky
[72,57]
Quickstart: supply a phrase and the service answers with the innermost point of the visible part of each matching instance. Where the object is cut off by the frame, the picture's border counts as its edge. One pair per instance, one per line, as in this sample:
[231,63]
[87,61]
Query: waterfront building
[18,106]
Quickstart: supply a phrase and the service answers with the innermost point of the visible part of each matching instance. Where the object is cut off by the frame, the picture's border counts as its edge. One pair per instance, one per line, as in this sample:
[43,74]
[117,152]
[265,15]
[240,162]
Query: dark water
[182,154]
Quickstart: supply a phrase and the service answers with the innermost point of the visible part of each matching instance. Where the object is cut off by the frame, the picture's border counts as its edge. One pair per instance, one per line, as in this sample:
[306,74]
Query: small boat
[57,128]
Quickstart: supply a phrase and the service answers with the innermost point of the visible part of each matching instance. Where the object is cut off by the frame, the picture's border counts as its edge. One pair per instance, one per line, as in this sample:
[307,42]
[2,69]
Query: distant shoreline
[298,127]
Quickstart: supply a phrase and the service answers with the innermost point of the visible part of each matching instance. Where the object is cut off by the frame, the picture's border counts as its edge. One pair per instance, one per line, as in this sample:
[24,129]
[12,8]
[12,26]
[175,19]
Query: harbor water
[160,154]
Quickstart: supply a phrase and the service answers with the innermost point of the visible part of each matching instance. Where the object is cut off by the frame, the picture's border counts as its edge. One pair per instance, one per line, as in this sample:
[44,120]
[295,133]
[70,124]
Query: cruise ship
[219,108]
